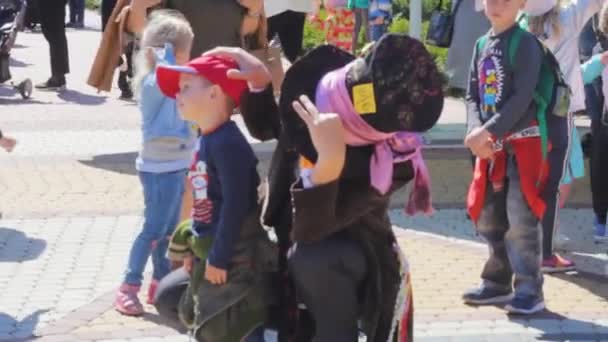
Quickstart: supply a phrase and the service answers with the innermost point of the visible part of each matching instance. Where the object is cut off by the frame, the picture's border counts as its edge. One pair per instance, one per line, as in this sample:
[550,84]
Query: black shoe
[53,84]
[125,86]
[485,295]
[126,94]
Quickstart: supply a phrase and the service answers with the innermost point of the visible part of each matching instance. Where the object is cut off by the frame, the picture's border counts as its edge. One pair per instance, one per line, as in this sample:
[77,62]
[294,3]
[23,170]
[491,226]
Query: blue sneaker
[485,295]
[525,305]
[599,231]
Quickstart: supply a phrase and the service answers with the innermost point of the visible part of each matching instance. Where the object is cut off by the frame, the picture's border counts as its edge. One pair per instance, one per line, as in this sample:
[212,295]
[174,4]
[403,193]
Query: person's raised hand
[145,3]
[255,6]
[251,69]
[327,135]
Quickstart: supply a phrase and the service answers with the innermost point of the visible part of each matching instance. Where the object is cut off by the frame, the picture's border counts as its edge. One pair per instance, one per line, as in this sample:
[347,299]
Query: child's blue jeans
[163,200]
[377,31]
[513,236]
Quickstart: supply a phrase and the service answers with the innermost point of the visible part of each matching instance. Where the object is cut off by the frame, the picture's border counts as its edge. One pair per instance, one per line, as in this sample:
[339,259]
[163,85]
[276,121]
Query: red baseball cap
[212,68]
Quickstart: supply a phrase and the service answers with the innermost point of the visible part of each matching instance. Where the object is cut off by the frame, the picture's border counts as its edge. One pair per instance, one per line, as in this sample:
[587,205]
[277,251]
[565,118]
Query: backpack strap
[540,99]
[482,42]
[514,44]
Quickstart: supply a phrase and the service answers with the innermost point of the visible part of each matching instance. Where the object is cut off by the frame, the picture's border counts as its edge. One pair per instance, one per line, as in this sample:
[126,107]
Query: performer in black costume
[336,164]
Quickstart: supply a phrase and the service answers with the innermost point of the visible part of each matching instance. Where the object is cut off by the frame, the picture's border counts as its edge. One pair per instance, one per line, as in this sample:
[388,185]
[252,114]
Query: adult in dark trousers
[126,62]
[32,15]
[591,42]
[215,23]
[470,24]
[286,20]
[52,20]
[106,10]
[76,14]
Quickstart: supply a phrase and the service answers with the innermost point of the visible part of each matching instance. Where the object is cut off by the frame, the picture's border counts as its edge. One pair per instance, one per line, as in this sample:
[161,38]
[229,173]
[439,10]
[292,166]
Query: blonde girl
[165,155]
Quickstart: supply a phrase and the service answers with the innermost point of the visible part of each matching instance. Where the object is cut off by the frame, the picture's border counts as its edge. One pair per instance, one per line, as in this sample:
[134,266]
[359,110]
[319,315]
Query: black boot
[5,72]
[55,83]
[125,86]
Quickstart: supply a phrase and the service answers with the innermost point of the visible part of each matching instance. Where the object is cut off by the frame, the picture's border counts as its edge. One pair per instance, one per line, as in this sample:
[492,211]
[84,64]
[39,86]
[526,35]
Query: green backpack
[552,94]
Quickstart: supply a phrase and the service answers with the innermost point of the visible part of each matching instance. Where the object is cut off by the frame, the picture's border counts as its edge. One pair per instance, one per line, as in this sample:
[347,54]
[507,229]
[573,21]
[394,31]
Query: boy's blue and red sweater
[231,187]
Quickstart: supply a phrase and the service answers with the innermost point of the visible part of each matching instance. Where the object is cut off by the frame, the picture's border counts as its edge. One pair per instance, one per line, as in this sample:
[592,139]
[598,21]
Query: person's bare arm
[137,15]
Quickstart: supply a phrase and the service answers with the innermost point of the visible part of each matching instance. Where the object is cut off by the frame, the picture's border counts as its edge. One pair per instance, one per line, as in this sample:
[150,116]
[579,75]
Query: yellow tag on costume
[364,99]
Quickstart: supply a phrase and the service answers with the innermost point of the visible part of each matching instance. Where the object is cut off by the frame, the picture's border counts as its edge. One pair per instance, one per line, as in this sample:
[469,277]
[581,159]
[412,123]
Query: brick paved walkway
[72,205]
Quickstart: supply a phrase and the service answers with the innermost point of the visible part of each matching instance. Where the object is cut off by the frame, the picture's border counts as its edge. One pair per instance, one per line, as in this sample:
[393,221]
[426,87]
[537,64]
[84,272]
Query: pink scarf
[332,97]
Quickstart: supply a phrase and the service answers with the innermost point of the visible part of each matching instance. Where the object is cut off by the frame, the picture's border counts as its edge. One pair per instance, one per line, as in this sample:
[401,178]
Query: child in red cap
[220,247]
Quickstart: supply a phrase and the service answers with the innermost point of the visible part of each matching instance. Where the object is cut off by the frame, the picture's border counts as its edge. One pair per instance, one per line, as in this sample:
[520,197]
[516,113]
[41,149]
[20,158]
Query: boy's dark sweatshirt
[515,84]
[232,189]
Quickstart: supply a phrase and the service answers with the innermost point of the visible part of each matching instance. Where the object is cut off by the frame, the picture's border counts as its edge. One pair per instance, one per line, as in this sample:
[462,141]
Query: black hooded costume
[340,270]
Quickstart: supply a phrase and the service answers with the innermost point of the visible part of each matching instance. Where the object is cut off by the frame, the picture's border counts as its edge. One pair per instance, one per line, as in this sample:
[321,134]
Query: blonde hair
[163,26]
[537,24]
[603,25]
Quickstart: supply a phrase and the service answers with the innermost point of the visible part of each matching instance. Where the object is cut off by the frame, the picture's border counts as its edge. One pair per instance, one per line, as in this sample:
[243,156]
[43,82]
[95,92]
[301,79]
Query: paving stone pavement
[72,205]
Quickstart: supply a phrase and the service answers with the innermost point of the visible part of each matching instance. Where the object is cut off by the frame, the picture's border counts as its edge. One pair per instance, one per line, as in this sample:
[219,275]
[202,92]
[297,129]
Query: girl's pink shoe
[127,302]
[152,291]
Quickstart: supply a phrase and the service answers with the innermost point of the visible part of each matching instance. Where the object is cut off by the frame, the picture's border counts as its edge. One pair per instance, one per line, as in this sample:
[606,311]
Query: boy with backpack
[514,84]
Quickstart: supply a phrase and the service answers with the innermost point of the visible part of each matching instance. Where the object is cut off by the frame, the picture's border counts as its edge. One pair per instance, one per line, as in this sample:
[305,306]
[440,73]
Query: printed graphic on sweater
[202,207]
[491,77]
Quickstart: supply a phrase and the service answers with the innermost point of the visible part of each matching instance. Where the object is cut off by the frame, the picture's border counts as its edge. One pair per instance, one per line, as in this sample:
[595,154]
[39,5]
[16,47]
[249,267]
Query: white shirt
[274,7]
[573,18]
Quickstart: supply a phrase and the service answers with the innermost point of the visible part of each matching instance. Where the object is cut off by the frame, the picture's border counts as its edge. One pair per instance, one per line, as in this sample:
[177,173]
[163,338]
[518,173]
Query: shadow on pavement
[17,63]
[588,281]
[556,327]
[159,320]
[15,246]
[10,96]
[75,96]
[123,163]
[19,330]
[85,28]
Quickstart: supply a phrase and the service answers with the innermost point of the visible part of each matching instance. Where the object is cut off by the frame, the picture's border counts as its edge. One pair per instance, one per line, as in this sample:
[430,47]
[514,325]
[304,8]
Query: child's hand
[214,275]
[485,151]
[8,143]
[188,264]
[479,142]
[327,135]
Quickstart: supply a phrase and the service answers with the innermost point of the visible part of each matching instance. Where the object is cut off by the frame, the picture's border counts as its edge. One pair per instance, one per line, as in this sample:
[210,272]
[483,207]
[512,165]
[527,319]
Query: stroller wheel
[25,88]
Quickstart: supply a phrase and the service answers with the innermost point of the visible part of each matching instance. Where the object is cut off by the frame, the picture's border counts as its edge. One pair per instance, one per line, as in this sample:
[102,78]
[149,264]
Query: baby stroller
[12,13]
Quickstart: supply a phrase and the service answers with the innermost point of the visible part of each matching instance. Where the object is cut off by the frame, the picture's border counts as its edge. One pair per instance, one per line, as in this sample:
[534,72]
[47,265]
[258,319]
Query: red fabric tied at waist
[532,169]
